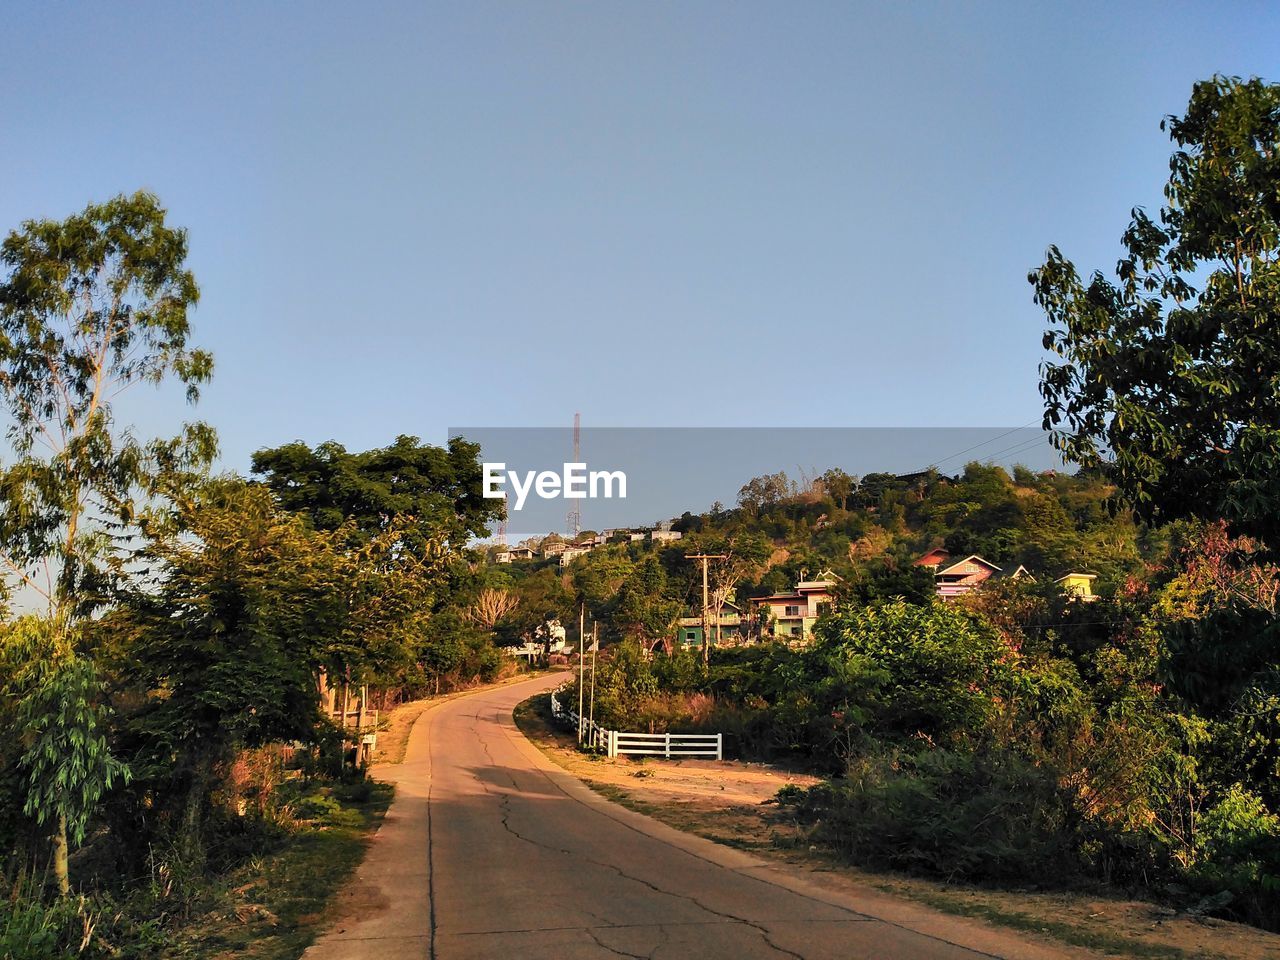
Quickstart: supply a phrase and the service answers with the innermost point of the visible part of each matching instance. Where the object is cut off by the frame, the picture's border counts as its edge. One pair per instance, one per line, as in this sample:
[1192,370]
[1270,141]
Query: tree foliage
[1168,376]
[435,491]
[90,306]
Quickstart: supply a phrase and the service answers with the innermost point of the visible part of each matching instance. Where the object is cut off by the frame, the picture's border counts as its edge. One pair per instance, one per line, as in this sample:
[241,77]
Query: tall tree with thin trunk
[89,307]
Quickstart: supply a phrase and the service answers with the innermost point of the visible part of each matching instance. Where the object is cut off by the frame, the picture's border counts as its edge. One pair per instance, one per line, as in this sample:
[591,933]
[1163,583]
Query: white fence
[616,743]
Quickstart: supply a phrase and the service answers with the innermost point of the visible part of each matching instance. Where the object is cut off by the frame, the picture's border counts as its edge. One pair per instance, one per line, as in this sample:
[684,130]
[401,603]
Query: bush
[1239,842]
[973,816]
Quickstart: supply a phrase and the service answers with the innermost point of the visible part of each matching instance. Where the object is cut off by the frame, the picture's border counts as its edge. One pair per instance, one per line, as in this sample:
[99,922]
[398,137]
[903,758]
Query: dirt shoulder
[728,802]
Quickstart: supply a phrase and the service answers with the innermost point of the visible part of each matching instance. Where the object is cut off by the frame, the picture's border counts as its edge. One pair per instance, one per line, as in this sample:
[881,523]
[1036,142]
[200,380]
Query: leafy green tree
[761,493]
[90,306]
[839,486]
[436,491]
[246,606]
[1166,376]
[542,596]
[59,724]
[642,610]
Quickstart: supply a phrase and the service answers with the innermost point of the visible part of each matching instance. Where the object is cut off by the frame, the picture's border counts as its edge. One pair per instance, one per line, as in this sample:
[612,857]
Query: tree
[89,307]
[641,610]
[1168,377]
[839,486]
[491,605]
[760,493]
[58,722]
[437,490]
[245,607]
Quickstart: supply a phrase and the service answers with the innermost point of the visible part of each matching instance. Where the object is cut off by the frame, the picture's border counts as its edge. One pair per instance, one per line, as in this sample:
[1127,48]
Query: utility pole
[595,643]
[582,652]
[706,620]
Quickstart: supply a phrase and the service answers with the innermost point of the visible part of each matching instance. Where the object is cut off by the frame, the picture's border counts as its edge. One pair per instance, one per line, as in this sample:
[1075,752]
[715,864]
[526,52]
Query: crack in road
[504,806]
[616,952]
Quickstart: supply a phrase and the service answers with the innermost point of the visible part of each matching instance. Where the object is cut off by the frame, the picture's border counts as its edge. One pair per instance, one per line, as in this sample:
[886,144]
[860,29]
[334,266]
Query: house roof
[813,586]
[1077,576]
[933,557]
[972,558]
[779,596]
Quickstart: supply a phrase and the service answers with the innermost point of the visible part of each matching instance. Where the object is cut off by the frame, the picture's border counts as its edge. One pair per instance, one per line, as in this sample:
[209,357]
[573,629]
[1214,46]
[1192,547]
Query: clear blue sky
[425,215]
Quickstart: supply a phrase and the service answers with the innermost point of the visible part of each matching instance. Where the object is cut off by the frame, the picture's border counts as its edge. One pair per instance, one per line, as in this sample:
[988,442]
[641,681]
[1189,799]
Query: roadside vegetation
[170,785]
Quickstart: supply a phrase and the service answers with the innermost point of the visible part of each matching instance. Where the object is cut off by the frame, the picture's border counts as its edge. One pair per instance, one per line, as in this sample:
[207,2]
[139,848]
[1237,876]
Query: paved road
[490,850]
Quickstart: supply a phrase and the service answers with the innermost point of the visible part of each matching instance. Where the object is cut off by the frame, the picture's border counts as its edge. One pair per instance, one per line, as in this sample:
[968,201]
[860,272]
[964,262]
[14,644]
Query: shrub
[977,816]
[1239,842]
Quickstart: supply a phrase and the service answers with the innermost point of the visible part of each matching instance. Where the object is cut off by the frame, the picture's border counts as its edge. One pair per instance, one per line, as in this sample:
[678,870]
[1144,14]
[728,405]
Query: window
[791,611]
[795,631]
[690,635]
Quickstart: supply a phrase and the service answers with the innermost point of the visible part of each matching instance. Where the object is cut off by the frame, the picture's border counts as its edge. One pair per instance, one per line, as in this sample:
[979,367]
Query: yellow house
[1079,584]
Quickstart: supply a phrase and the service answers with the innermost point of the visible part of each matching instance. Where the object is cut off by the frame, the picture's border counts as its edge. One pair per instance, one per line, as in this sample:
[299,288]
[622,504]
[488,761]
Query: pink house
[956,579]
[792,615]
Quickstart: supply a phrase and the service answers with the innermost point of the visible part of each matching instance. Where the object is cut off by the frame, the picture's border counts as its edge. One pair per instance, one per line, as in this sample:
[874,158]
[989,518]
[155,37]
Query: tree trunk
[60,870]
[191,843]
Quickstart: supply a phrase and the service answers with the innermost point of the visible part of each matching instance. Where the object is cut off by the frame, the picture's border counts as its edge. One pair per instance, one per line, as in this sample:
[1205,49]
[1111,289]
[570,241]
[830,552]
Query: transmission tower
[575,513]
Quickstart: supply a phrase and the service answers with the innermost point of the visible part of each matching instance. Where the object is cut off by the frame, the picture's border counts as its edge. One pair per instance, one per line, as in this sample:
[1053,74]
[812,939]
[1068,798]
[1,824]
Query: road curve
[490,850]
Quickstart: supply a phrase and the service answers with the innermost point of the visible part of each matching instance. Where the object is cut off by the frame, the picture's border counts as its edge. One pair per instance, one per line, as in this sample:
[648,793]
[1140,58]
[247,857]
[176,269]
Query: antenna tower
[575,514]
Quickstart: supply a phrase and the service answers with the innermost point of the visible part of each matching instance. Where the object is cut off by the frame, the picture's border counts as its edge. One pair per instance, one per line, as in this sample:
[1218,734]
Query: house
[553,547]
[518,553]
[727,628]
[664,536]
[502,556]
[1080,585]
[571,551]
[958,578]
[792,615]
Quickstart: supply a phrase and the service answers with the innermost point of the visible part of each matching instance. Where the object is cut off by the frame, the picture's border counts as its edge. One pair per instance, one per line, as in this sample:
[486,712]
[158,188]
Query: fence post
[667,748]
[613,743]
[719,746]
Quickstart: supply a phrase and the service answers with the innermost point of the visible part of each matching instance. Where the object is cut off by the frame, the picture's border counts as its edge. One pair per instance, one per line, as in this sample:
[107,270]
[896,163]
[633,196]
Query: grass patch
[272,907]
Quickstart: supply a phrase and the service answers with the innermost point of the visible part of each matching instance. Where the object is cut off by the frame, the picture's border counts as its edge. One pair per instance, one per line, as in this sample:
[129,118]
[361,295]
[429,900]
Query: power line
[984,443]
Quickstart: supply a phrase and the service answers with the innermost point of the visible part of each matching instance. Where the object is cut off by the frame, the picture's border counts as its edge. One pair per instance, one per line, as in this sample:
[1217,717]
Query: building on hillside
[1080,585]
[665,536]
[727,629]
[518,553]
[791,616]
[573,550]
[502,556]
[553,547]
[954,579]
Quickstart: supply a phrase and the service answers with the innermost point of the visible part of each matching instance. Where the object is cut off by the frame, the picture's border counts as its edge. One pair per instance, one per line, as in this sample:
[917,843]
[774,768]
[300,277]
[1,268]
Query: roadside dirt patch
[729,803]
